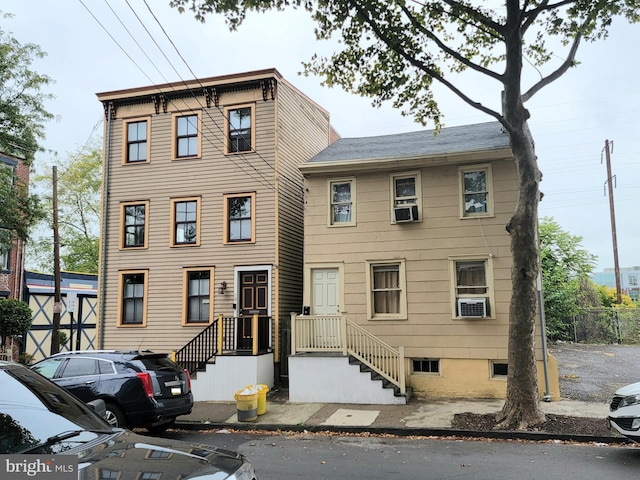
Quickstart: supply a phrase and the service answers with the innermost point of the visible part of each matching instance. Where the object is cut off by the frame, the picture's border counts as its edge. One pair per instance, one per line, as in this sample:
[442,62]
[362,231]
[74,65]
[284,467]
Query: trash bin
[247,404]
[262,399]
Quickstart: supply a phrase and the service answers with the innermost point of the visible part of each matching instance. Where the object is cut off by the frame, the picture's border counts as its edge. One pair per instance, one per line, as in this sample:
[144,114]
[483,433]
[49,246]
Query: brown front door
[254,293]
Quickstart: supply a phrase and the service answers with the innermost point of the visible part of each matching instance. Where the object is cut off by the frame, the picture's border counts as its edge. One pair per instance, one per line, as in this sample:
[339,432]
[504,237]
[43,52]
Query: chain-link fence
[607,325]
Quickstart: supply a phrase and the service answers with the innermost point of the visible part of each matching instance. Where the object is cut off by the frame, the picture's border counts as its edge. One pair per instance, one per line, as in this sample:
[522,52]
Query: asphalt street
[289,456]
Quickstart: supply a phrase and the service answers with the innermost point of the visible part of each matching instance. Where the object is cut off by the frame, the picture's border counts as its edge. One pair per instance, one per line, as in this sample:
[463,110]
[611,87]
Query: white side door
[325,292]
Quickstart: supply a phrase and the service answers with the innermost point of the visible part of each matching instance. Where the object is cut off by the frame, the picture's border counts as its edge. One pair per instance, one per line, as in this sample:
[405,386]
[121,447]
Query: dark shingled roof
[482,136]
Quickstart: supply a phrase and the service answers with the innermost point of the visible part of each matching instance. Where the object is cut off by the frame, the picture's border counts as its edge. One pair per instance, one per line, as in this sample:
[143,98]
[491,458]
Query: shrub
[15,318]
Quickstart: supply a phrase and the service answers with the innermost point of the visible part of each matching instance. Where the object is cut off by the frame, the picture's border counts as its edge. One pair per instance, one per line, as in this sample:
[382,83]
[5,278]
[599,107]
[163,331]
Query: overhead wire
[264,181]
[280,174]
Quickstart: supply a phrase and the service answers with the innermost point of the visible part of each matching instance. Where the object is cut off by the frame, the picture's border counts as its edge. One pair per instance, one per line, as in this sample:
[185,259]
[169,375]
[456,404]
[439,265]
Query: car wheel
[113,414]
[161,428]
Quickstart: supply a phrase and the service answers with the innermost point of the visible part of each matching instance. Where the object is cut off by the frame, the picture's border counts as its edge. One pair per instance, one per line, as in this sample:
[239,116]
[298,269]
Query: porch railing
[250,335]
[317,333]
[204,346]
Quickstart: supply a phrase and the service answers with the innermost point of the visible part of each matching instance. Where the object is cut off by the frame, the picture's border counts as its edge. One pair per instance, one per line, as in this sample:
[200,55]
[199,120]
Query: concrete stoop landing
[326,378]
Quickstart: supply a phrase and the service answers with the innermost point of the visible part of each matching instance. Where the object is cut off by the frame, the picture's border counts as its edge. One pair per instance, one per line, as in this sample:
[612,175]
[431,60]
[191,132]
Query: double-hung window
[476,191]
[240,129]
[406,197]
[239,212]
[134,224]
[133,298]
[187,138]
[386,284]
[137,140]
[5,256]
[185,221]
[198,305]
[341,202]
[473,287]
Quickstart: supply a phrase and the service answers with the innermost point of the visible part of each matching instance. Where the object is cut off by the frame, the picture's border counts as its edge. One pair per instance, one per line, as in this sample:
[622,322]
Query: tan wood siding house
[203,210]
[405,238]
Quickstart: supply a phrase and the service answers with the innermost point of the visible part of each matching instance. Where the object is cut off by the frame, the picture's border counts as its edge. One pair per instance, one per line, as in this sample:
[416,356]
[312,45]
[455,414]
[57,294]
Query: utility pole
[607,148]
[57,304]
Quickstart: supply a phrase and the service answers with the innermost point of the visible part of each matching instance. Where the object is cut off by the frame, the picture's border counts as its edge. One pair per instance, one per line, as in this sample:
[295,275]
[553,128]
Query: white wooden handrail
[337,334]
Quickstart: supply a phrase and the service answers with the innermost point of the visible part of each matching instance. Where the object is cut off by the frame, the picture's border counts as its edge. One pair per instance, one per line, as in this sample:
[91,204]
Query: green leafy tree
[22,121]
[608,297]
[15,318]
[394,50]
[79,184]
[565,276]
[19,210]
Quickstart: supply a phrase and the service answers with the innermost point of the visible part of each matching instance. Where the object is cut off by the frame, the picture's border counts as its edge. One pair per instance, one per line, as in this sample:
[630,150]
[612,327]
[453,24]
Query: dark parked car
[140,389]
[38,417]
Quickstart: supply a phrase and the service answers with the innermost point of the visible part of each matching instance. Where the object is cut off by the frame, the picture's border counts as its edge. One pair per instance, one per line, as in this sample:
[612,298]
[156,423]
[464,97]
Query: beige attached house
[203,230]
[407,269]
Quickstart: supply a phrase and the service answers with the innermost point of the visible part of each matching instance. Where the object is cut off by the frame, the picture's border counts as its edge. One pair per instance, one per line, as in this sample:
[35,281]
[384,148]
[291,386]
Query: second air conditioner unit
[472,307]
[405,213]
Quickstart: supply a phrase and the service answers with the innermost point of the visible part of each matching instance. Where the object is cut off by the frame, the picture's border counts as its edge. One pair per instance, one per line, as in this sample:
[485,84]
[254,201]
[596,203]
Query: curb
[401,432]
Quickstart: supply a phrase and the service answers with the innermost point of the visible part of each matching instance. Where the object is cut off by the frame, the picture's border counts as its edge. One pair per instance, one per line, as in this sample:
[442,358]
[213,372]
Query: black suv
[140,389]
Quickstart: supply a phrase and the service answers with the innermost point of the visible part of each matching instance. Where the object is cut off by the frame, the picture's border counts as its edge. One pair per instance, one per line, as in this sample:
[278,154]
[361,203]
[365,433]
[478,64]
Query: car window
[47,368]
[77,367]
[158,363]
[105,367]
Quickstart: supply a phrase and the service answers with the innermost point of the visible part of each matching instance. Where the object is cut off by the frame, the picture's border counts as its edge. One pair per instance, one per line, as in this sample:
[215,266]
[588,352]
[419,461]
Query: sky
[97,46]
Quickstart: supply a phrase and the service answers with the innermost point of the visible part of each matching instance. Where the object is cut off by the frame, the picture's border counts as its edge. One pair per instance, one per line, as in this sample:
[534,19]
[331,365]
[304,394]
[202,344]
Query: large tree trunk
[522,407]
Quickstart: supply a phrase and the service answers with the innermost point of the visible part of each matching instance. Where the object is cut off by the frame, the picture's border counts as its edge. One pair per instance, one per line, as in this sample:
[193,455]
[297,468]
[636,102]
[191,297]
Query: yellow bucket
[247,404]
[262,399]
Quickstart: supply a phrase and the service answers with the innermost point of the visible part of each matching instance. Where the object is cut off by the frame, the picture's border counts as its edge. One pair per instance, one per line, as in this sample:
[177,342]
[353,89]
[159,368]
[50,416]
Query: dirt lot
[592,373]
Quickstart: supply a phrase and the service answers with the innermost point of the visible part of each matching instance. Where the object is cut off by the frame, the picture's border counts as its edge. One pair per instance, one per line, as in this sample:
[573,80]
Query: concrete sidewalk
[419,417]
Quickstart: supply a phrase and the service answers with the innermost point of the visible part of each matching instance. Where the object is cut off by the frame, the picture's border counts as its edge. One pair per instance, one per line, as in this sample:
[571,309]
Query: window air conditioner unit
[472,307]
[405,213]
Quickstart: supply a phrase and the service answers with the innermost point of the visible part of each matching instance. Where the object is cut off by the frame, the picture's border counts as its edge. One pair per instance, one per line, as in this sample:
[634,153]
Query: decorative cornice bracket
[109,106]
[268,89]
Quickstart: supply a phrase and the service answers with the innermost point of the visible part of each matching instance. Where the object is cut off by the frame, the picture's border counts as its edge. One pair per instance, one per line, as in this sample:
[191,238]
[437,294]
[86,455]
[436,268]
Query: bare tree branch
[568,63]
[448,50]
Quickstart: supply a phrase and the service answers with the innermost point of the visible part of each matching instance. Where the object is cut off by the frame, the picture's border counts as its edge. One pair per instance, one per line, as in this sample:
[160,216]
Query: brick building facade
[12,260]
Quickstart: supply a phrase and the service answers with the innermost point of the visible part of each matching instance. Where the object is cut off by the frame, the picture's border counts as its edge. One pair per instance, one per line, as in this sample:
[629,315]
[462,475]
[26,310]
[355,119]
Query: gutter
[103,249]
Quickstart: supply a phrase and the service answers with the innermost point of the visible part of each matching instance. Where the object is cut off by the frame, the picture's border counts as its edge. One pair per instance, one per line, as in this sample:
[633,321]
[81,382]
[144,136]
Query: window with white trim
[476,197]
[341,202]
[406,197]
[425,365]
[472,280]
[386,284]
[5,256]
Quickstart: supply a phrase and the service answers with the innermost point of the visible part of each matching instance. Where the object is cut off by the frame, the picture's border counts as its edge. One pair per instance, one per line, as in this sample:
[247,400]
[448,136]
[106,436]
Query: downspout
[103,236]
[543,336]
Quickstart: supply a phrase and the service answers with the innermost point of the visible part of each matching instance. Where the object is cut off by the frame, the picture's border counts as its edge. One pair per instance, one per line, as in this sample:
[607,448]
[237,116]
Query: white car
[624,411]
